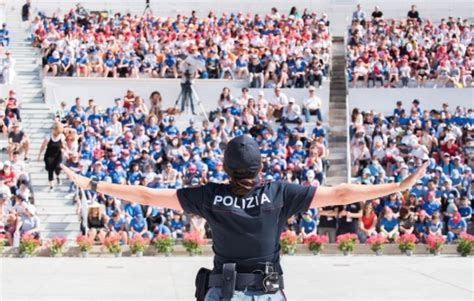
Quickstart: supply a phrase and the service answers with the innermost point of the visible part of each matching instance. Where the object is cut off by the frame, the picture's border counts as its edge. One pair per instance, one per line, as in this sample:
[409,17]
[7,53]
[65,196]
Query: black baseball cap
[242,157]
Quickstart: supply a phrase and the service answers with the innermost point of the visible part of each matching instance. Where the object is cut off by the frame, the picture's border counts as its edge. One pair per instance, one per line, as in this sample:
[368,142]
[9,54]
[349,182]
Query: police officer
[246,218]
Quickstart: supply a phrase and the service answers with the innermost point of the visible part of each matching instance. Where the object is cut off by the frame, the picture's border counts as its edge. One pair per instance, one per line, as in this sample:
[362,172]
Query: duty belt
[242,281]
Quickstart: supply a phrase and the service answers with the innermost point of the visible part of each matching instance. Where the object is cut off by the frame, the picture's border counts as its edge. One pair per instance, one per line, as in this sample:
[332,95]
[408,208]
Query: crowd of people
[388,148]
[17,212]
[139,144]
[7,62]
[276,49]
[396,52]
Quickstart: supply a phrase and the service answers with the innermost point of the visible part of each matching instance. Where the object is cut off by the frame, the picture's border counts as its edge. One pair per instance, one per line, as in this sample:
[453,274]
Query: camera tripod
[148,8]
[189,98]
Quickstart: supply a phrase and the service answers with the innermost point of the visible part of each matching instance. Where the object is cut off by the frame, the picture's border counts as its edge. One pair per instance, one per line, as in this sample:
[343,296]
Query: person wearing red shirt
[367,222]
[9,176]
[12,105]
[449,146]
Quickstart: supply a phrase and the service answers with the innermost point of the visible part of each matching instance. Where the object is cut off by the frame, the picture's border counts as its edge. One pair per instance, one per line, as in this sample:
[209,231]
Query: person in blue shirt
[132,209]
[110,65]
[172,130]
[219,175]
[118,225]
[96,173]
[169,64]
[435,225]
[465,209]
[389,225]
[265,151]
[162,229]
[419,190]
[191,129]
[138,226]
[212,64]
[134,174]
[421,225]
[299,154]
[298,72]
[123,64]
[4,36]
[393,202]
[67,64]
[456,226]
[82,63]
[52,63]
[177,226]
[431,205]
[308,225]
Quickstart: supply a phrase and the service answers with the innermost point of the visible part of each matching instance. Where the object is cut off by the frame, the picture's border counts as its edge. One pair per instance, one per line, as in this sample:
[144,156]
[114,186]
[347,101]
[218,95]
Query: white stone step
[60,210]
[58,218]
[59,226]
[70,235]
[45,188]
[39,107]
[332,181]
[44,197]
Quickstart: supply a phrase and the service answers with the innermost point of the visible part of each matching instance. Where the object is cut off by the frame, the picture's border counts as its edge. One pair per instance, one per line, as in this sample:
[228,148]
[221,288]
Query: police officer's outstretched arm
[139,194]
[353,193]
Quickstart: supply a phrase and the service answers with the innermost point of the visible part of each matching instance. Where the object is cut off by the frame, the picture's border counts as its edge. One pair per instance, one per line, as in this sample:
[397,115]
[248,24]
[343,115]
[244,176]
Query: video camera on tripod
[188,96]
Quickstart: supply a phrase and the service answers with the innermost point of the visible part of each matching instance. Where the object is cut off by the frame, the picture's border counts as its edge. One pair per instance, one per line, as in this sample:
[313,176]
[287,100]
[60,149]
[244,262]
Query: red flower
[407,238]
[376,240]
[194,237]
[289,237]
[30,239]
[139,240]
[316,239]
[343,238]
[467,237]
[435,242]
[58,241]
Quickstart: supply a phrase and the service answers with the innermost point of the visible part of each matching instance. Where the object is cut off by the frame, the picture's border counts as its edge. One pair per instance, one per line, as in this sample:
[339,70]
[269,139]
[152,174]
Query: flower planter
[25,255]
[291,252]
[139,254]
[84,254]
[346,253]
[119,254]
[379,253]
[436,252]
[409,252]
[167,254]
[315,253]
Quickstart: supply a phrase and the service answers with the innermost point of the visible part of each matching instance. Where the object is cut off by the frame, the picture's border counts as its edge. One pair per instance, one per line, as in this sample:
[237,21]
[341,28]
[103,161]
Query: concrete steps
[337,139]
[55,209]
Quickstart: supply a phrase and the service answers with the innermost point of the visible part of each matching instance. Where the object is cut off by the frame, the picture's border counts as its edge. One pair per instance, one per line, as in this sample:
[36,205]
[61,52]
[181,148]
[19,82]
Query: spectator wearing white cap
[291,113]
[8,68]
[312,105]
[30,223]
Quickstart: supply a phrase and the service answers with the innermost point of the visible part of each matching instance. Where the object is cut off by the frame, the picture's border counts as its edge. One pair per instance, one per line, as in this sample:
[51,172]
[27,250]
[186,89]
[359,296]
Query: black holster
[229,277]
[202,282]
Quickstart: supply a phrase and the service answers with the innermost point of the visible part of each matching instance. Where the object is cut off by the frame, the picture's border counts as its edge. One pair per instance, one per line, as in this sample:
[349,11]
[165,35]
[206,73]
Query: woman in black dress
[53,155]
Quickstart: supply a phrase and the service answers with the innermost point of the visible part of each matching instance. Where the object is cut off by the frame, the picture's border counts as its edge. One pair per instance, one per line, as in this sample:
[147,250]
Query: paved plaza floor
[306,278]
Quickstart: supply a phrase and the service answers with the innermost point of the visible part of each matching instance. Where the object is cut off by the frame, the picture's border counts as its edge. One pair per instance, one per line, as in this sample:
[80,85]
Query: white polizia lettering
[217,199]
[241,203]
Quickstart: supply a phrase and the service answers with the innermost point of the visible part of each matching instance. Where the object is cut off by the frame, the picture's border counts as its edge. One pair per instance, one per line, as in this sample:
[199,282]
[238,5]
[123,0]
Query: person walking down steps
[53,155]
